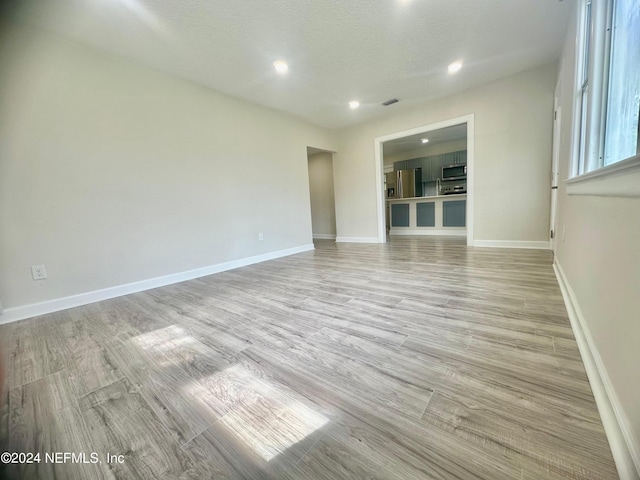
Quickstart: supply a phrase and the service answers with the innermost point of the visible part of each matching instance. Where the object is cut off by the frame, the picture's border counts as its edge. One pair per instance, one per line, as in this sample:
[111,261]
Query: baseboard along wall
[27,311]
[626,452]
[538,245]
[324,236]
[357,239]
[443,233]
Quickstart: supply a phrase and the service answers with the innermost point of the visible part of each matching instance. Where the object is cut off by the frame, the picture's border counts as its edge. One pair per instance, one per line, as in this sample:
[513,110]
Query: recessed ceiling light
[353,104]
[424,140]
[454,67]
[280,66]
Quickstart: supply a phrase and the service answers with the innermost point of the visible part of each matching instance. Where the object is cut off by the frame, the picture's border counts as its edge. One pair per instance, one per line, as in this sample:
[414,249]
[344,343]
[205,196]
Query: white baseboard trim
[626,453]
[324,236]
[419,231]
[27,311]
[512,244]
[357,239]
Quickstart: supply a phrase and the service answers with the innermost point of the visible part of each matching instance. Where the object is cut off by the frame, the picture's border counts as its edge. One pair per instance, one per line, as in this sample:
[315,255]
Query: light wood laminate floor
[417,359]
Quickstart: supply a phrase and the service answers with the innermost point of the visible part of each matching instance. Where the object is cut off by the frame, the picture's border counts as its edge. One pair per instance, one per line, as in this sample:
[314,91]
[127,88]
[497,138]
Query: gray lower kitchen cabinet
[426,214]
[400,215]
[454,213]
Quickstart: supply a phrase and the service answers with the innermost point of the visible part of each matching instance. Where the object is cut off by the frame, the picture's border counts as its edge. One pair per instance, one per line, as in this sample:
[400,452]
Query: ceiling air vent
[390,102]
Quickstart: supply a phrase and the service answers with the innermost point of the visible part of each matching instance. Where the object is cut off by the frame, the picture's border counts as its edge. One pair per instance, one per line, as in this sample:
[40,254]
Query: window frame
[588,174]
[593,48]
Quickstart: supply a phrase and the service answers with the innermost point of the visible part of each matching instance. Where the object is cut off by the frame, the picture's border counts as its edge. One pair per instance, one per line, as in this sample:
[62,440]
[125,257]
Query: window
[623,99]
[608,84]
[583,82]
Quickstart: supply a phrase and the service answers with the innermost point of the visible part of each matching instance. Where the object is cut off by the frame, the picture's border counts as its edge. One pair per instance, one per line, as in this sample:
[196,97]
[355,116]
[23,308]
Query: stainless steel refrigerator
[408,183]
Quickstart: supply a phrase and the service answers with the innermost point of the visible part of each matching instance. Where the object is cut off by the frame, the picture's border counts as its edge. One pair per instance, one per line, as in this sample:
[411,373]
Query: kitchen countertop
[433,197]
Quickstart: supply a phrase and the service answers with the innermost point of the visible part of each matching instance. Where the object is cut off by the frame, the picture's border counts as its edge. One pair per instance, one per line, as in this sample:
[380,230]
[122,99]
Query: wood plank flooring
[417,359]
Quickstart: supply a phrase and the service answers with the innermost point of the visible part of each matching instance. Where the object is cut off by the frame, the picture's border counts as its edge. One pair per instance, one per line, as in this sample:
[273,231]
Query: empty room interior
[320,240]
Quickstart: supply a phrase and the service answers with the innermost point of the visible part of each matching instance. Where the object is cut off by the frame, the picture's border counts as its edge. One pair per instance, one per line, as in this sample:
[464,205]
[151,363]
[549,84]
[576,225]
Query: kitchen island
[434,215]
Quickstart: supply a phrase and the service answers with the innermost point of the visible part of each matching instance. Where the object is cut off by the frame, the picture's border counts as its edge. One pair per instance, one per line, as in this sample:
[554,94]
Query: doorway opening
[321,191]
[439,181]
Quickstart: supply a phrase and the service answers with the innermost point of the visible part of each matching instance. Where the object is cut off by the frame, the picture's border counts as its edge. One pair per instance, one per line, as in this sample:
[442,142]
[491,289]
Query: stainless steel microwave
[454,172]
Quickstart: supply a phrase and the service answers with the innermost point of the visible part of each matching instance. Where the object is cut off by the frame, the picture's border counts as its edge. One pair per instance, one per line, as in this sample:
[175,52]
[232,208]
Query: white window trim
[597,75]
[620,179]
[574,164]
[599,67]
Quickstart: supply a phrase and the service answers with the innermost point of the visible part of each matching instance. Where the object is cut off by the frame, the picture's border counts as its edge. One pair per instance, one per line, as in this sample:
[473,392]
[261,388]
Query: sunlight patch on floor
[262,417]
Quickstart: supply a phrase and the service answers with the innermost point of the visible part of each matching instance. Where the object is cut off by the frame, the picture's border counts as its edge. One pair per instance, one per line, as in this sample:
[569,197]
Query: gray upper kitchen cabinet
[415,163]
[456,158]
[399,165]
[432,165]
[426,174]
[429,170]
[407,164]
[449,159]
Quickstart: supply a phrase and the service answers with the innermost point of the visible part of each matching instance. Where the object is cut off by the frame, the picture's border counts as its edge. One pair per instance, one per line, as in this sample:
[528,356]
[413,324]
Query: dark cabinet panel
[426,214]
[428,170]
[436,166]
[414,163]
[454,213]
[432,165]
[400,215]
[407,164]
[456,158]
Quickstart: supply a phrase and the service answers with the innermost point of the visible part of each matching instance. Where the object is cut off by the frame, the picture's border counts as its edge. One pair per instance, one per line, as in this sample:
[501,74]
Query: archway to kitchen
[381,193]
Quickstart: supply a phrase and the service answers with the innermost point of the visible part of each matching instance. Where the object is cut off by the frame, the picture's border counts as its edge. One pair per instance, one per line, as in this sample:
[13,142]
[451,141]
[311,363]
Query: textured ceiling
[369,50]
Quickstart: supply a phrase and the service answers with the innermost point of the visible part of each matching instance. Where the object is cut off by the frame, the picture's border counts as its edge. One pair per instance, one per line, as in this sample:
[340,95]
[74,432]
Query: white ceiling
[413,142]
[337,50]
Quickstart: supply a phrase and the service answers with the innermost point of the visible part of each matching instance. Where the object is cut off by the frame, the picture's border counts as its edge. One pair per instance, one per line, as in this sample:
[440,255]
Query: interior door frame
[378,142]
[555,170]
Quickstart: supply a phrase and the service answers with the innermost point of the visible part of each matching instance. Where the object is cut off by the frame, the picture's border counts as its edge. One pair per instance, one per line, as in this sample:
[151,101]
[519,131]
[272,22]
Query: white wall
[600,257]
[323,208]
[513,125]
[425,151]
[111,173]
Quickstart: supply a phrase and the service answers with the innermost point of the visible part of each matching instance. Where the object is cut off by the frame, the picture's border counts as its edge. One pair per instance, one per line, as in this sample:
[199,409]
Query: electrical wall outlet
[564,232]
[38,272]
[260,236]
